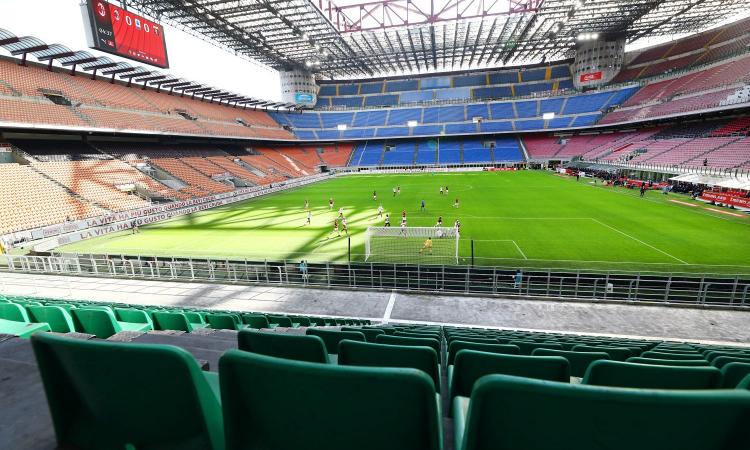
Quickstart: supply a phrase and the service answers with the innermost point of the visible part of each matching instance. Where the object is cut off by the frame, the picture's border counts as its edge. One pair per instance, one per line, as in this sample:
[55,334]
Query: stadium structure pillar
[349,248]
[472,252]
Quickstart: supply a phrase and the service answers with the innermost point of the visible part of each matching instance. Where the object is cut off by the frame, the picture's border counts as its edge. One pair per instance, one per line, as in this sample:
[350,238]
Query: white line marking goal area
[515,244]
[638,240]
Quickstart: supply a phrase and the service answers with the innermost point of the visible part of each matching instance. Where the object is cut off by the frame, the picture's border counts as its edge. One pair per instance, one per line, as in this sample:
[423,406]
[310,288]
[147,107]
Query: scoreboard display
[120,32]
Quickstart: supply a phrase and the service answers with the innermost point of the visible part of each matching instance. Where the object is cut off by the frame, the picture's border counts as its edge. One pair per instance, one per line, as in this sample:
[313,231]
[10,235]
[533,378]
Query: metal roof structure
[141,76]
[365,38]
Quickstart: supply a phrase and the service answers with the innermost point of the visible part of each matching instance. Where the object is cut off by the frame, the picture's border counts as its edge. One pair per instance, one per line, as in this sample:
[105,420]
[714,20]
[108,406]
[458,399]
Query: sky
[61,22]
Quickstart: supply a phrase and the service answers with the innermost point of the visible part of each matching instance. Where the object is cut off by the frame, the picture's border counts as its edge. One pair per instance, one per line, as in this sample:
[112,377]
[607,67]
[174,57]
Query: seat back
[331,338]
[506,412]
[99,322]
[669,362]
[404,340]
[471,365]
[713,354]
[370,333]
[101,395]
[331,407]
[733,373]
[283,345]
[579,361]
[669,355]
[14,312]
[59,320]
[647,376]
[354,353]
[221,321]
[529,346]
[721,361]
[467,338]
[133,315]
[456,346]
[256,321]
[171,321]
[616,353]
[280,321]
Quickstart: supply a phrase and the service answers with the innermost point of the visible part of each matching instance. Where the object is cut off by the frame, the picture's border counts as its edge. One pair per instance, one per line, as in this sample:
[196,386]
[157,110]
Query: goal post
[407,245]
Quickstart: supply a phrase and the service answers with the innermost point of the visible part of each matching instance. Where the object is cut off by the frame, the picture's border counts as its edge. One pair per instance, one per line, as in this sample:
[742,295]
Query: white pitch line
[389,308]
[638,240]
[519,250]
[503,240]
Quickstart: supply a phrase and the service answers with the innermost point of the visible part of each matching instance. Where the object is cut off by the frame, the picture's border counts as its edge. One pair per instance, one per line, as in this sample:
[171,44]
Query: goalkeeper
[427,246]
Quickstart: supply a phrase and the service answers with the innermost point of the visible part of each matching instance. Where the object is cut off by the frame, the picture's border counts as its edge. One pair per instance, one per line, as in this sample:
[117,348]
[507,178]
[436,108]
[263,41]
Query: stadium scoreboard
[115,30]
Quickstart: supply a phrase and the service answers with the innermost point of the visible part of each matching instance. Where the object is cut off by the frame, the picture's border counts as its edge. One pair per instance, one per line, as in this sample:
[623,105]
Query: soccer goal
[409,245]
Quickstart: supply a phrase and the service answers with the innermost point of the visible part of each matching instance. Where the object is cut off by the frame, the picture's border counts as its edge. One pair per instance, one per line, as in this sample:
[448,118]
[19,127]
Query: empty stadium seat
[102,323]
[616,353]
[177,321]
[224,322]
[58,319]
[257,321]
[527,347]
[331,407]
[579,361]
[648,376]
[507,412]
[331,338]
[370,333]
[669,362]
[457,345]
[407,340]
[283,345]
[734,373]
[353,353]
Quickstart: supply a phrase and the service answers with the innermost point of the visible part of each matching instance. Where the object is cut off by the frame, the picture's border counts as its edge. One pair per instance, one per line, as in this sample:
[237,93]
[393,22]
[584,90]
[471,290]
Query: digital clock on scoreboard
[120,32]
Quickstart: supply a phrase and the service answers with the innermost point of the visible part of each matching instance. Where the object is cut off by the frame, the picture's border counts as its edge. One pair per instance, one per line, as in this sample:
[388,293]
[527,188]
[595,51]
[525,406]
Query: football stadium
[258,224]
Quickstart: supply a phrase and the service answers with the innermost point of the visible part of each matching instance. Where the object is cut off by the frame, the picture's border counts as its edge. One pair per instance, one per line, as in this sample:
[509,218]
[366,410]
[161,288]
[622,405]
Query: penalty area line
[639,241]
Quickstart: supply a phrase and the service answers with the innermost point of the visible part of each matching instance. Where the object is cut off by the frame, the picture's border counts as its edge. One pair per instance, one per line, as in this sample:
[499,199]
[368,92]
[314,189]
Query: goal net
[408,245]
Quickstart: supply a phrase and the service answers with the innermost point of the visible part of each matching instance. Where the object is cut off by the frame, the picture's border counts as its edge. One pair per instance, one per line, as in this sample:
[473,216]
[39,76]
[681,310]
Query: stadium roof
[361,38]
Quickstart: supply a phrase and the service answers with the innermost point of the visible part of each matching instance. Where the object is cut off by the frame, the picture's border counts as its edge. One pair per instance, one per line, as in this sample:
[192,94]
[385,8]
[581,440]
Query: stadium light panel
[411,123]
[341,127]
[548,116]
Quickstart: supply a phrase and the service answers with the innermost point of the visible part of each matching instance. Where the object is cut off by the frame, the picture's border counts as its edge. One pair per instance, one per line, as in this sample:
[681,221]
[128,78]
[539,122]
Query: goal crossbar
[407,244]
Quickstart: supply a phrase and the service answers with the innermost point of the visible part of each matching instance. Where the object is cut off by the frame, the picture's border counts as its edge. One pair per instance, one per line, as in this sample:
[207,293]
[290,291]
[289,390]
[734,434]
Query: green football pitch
[515,219]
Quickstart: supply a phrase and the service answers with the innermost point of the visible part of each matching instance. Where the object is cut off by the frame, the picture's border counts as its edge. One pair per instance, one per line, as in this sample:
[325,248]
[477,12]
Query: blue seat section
[280,118]
[370,118]
[477,110]
[560,122]
[501,111]
[444,114]
[533,74]
[348,89]
[359,149]
[526,109]
[392,132]
[460,93]
[474,152]
[401,85]
[371,88]
[381,100]
[323,102]
[504,77]
[401,154]
[494,127]
[306,134]
[551,105]
[327,90]
[586,103]
[530,88]
[401,116]
[426,130]
[417,96]
[372,154]
[333,119]
[585,120]
[470,80]
[533,124]
[507,149]
[492,92]
[436,82]
[566,84]
[427,152]
[358,133]
[329,134]
[351,102]
[304,120]
[460,128]
[560,71]
[620,96]
[449,152]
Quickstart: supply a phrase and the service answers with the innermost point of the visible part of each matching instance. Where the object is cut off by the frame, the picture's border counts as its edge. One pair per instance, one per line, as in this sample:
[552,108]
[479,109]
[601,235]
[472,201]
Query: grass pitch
[516,219]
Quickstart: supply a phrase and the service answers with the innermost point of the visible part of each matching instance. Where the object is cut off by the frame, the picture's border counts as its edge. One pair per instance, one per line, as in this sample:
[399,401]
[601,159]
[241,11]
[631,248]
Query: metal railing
[615,286]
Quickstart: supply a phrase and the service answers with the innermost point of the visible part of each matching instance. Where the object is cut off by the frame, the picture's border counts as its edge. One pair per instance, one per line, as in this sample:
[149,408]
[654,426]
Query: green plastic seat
[370,333]
[318,321]
[354,353]
[59,320]
[733,373]
[476,340]
[527,347]
[669,362]
[711,355]
[280,321]
[646,376]
[404,340]
[14,312]
[675,356]
[721,361]
[331,338]
[417,334]
[455,346]
[579,361]
[223,322]
[301,321]
[133,315]
[101,395]
[256,321]
[278,404]
[21,329]
[513,413]
[616,353]
[471,365]
[174,321]
[283,345]
[102,323]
